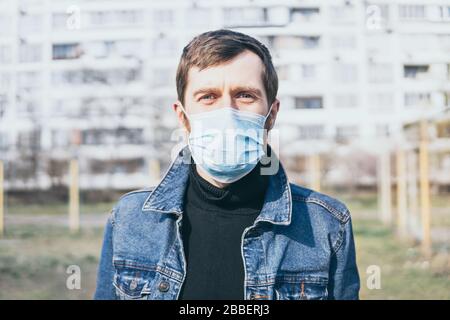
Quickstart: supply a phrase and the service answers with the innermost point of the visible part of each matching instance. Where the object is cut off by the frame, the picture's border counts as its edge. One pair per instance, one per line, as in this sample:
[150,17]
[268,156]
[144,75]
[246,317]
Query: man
[223,223]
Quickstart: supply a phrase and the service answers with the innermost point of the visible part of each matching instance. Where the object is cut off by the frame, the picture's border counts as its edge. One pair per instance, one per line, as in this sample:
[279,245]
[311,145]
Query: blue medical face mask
[227,143]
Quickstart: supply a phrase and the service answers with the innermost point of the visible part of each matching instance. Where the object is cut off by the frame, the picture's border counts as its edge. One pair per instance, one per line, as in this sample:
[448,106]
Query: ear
[182,119]
[273,114]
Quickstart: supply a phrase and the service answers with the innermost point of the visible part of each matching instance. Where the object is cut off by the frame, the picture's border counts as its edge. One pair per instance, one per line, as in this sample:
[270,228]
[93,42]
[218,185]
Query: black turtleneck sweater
[212,226]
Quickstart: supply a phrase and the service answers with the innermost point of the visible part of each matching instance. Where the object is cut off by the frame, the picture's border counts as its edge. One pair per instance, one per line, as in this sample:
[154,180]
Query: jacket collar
[168,195]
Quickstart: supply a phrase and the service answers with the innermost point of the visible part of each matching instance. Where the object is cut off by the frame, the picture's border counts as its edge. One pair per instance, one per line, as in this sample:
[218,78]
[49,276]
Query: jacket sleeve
[344,282]
[105,273]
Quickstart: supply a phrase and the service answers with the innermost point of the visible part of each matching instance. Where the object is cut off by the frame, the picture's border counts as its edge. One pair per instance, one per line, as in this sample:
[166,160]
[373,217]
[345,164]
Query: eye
[207,97]
[245,95]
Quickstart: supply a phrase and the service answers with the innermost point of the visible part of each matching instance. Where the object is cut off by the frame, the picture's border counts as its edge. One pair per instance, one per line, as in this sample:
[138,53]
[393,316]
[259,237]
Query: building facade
[95,80]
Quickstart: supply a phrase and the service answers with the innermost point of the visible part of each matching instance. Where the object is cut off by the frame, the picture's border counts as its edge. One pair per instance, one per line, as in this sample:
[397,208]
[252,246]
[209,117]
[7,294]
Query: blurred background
[86,89]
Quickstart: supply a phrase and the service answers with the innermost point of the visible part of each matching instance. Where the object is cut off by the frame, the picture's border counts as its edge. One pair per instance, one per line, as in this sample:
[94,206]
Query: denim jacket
[300,246]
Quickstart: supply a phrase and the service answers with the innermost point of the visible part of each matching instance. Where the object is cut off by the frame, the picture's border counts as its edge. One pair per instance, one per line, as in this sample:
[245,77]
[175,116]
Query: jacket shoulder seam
[340,238]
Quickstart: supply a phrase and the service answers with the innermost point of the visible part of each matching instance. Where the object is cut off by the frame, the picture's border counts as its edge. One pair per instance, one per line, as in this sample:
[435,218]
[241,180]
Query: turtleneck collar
[245,196]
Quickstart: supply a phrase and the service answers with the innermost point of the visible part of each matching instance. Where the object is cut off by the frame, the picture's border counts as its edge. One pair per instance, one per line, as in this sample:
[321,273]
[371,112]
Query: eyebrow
[253,90]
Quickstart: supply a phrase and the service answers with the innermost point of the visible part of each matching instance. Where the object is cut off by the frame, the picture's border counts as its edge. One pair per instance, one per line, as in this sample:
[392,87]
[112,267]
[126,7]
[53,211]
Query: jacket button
[164,286]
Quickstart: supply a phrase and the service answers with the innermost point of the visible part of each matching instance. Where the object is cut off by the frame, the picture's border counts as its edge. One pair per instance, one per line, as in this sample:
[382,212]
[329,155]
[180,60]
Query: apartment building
[94,80]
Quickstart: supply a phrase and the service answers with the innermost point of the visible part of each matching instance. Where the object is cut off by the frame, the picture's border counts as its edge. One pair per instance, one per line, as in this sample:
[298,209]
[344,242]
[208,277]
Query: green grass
[34,258]
[34,261]
[405,274]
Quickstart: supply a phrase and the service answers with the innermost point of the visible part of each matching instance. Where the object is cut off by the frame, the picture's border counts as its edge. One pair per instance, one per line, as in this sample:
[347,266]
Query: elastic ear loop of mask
[184,111]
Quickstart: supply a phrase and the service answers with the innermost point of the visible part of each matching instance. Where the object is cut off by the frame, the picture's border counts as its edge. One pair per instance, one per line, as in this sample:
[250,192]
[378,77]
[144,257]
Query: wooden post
[154,170]
[413,195]
[384,187]
[2,206]
[424,189]
[401,194]
[74,200]
[314,161]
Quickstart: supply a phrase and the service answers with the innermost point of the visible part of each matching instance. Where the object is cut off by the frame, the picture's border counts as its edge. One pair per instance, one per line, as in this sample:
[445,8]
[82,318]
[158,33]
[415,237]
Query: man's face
[236,83]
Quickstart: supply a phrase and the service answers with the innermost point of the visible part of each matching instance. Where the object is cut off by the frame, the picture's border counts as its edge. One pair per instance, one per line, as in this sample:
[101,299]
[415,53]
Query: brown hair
[219,46]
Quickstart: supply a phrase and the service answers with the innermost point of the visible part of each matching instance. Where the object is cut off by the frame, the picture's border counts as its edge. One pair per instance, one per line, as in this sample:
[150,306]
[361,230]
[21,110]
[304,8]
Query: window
[342,14]
[128,48]
[129,17]
[59,21]
[382,130]
[3,104]
[30,24]
[444,13]
[412,12]
[29,140]
[61,138]
[5,25]
[198,17]
[96,49]
[4,141]
[413,99]
[116,18]
[311,132]
[242,17]
[308,71]
[310,42]
[344,133]
[112,136]
[381,101]
[380,73]
[345,73]
[343,41]
[345,100]
[5,54]
[27,107]
[296,42]
[30,53]
[164,47]
[308,103]
[5,82]
[304,14]
[163,18]
[377,16]
[415,71]
[66,51]
[29,79]
[444,41]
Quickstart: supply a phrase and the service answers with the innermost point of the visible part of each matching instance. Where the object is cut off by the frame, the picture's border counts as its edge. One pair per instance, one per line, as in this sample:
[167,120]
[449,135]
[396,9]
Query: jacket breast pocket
[301,288]
[133,283]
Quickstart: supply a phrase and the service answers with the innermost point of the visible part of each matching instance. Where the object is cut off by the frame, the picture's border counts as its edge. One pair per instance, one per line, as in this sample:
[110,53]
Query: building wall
[95,79]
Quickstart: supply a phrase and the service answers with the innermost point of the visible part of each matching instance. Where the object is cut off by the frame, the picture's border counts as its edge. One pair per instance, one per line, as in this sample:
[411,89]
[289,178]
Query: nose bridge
[227,100]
